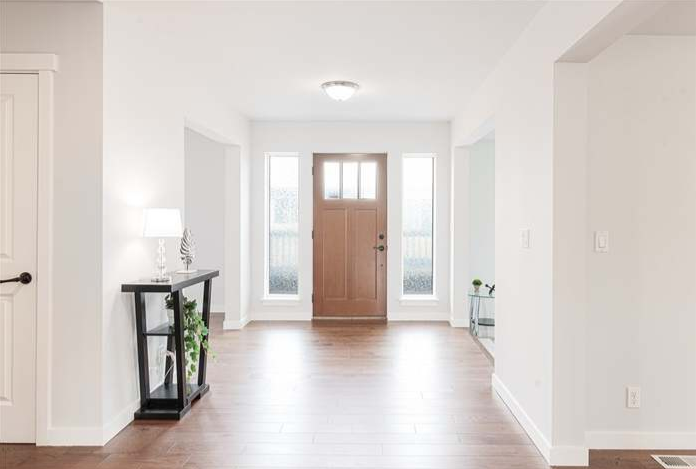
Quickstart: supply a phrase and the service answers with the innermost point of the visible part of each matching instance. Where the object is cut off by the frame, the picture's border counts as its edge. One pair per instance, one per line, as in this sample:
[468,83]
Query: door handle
[24,277]
[378,248]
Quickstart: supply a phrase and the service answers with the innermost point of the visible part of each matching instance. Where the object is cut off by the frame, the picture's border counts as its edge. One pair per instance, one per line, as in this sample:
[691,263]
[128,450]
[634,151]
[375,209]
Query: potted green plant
[477,284]
[195,334]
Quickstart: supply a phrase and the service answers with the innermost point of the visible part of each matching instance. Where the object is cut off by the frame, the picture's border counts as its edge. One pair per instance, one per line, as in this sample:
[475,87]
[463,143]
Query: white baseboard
[455,322]
[641,440]
[233,325]
[91,436]
[416,316]
[74,436]
[569,456]
[525,421]
[281,316]
[554,455]
[120,421]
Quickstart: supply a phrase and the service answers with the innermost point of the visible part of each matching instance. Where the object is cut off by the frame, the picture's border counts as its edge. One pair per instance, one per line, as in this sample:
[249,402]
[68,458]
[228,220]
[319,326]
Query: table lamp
[162,223]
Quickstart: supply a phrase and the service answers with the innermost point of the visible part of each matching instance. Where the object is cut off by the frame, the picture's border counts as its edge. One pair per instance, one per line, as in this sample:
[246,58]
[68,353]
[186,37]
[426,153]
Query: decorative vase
[476,288]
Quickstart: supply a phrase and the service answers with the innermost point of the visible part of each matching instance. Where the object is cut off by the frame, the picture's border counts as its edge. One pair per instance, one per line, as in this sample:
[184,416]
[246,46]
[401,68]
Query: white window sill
[281,300]
[417,300]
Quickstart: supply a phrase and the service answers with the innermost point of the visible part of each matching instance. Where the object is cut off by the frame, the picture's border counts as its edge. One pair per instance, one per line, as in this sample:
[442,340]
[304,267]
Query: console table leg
[203,359]
[168,363]
[143,362]
[181,378]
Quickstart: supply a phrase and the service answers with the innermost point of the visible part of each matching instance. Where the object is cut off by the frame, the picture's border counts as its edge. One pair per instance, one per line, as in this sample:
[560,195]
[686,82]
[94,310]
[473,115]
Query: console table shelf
[163,330]
[169,401]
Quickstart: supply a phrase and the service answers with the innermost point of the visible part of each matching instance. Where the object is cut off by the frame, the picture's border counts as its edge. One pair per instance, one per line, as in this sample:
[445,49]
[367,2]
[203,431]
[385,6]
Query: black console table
[169,401]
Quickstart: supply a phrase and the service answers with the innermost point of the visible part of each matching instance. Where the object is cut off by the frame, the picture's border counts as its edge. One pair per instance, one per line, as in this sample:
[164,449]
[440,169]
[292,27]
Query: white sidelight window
[417,241]
[282,220]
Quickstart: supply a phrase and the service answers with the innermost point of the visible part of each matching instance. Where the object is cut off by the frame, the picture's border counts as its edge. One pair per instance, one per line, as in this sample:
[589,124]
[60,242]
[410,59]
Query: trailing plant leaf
[195,334]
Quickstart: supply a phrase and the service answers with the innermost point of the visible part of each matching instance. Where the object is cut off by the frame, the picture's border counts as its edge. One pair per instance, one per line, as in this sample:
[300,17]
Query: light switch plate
[601,241]
[524,238]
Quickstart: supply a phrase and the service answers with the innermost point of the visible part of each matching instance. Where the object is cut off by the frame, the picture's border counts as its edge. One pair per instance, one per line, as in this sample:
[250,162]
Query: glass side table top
[481,294]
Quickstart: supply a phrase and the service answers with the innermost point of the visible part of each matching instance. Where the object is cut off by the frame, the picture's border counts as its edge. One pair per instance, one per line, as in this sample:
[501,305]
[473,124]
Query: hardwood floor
[300,395]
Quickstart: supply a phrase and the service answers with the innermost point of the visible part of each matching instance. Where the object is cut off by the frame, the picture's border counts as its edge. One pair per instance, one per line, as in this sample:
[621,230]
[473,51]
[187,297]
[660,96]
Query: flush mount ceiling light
[340,90]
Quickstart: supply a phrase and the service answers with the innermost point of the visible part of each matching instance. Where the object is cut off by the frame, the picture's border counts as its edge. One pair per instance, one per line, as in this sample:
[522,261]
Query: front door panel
[350,234]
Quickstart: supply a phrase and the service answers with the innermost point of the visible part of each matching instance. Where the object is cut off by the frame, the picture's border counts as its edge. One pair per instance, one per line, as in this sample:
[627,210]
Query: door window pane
[332,180]
[350,180]
[283,218]
[417,243]
[368,180]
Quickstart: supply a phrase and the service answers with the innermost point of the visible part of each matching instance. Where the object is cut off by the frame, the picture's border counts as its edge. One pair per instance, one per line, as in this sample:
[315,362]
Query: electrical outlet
[633,397]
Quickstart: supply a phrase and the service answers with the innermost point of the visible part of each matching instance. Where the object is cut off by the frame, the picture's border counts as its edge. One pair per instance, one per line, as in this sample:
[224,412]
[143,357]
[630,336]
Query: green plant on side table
[195,331]
[477,284]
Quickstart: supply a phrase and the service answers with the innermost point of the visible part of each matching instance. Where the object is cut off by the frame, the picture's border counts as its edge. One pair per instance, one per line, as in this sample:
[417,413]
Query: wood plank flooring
[327,395]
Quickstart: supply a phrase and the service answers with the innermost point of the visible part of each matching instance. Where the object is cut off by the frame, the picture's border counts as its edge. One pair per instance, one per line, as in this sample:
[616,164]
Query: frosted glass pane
[332,180]
[283,215]
[368,180]
[417,243]
[350,180]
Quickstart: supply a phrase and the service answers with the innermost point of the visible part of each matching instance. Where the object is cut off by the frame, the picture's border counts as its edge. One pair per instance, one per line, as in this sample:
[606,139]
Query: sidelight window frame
[277,298]
[415,298]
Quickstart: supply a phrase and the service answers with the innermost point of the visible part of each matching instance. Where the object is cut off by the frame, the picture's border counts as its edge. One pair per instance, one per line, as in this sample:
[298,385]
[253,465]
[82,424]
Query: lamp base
[186,271]
[164,279]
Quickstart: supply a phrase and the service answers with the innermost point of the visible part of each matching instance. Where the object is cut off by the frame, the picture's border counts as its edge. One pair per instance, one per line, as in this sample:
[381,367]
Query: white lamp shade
[162,223]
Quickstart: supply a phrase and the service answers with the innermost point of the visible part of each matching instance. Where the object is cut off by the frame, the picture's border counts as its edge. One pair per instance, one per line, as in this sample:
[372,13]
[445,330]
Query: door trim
[385,301]
[43,65]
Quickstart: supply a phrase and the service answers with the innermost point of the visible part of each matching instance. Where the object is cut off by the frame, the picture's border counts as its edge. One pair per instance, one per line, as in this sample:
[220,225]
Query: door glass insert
[332,180]
[350,180]
[368,180]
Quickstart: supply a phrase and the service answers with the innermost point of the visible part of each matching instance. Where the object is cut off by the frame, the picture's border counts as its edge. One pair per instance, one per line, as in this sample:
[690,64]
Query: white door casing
[19,137]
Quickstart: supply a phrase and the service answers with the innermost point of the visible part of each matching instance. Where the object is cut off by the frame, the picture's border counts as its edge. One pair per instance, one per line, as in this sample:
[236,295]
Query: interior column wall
[460,237]
[642,293]
[570,244]
[145,116]
[73,31]
[519,95]
[205,208]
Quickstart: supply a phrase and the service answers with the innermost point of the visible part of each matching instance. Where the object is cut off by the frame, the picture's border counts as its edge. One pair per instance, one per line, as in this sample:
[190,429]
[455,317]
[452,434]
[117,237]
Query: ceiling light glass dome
[340,90]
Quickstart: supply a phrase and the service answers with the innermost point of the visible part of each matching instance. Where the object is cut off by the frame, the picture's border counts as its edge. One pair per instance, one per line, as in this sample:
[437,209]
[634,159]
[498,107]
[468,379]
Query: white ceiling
[413,60]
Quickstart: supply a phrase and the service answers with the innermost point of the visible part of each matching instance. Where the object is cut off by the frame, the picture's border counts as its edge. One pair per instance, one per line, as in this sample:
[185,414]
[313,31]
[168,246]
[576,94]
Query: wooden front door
[350,235]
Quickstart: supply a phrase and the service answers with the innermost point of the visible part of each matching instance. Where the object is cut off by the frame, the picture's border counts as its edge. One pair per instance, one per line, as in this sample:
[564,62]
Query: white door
[18,219]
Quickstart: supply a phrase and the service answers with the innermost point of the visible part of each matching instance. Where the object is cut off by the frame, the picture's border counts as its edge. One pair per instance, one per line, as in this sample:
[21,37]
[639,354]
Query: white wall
[569,407]
[394,139]
[642,294]
[145,116]
[519,95]
[73,31]
[481,186]
[204,212]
